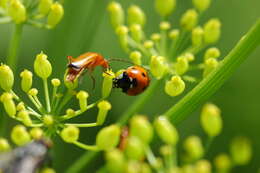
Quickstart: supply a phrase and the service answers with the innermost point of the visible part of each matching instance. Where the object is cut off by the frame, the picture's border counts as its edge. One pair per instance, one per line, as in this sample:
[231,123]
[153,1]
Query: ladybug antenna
[120,60]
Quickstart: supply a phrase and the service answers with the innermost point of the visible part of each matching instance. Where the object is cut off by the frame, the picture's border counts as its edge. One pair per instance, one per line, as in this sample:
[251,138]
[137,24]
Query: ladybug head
[124,81]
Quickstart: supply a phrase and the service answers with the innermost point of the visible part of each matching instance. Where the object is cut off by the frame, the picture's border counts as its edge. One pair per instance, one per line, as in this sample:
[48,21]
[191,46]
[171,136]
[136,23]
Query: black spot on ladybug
[133,68]
[134,82]
[143,74]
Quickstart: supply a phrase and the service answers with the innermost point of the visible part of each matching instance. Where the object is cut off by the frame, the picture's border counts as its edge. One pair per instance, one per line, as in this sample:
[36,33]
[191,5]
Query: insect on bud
[158,66]
[42,66]
[107,83]
[212,52]
[141,128]
[137,32]
[19,135]
[201,5]
[209,65]
[189,19]
[175,86]
[182,65]
[103,108]
[55,15]
[48,120]
[115,161]
[4,145]
[6,78]
[197,36]
[9,105]
[108,137]
[117,15]
[44,6]
[174,34]
[135,16]
[203,166]
[24,116]
[165,7]
[222,163]
[82,96]
[55,82]
[70,134]
[136,57]
[36,133]
[26,82]
[17,11]
[193,147]
[212,31]
[166,131]
[134,148]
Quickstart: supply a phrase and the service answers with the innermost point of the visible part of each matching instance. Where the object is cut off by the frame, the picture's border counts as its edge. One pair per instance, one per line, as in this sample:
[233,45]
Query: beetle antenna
[121,60]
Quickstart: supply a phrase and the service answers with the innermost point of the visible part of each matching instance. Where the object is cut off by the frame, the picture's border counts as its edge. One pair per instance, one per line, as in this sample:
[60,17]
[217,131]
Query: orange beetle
[87,61]
[133,81]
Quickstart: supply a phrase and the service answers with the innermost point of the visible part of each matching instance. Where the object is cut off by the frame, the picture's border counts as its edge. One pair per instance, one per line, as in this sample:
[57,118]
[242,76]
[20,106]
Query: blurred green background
[86,27]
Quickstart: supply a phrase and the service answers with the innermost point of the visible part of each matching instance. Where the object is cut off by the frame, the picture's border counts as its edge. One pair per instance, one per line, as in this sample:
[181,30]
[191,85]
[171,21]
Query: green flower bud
[241,150]
[42,66]
[193,147]
[201,5]
[189,56]
[103,108]
[134,148]
[212,52]
[17,11]
[212,31]
[48,120]
[24,116]
[182,65]
[209,65]
[70,134]
[133,166]
[137,32]
[6,78]
[158,66]
[175,86]
[165,25]
[202,166]
[55,15]
[166,131]
[141,128]
[222,163]
[20,106]
[117,15]
[36,133]
[122,32]
[148,44]
[197,36]
[33,92]
[44,6]
[115,161]
[26,82]
[174,34]
[165,7]
[107,83]
[48,170]
[108,137]
[9,105]
[187,169]
[82,96]
[156,37]
[136,57]
[189,19]
[19,135]
[145,168]
[4,145]
[135,15]
[55,82]
[211,120]
[166,150]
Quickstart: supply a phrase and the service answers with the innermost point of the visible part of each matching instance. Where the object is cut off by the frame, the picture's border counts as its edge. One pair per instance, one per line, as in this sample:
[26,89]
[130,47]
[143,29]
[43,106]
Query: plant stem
[47,97]
[14,46]
[216,79]
[86,147]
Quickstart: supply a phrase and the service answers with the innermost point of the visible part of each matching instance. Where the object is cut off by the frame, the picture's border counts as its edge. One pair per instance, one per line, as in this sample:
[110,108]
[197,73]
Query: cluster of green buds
[171,52]
[134,153]
[48,117]
[40,13]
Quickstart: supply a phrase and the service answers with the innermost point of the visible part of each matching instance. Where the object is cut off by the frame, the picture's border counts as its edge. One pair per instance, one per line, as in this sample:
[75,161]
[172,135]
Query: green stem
[47,97]
[14,46]
[216,79]
[86,147]
[83,124]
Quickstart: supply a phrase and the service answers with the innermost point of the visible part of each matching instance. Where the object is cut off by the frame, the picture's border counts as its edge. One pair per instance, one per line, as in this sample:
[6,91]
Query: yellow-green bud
[145,168]
[148,44]
[33,92]
[48,120]
[17,11]
[158,66]
[197,36]
[165,25]
[133,166]
[156,37]
[212,52]
[141,128]
[187,169]
[70,134]
[20,106]
[103,108]
[36,133]
[136,57]
[117,15]
[201,5]
[175,86]
[241,150]
[6,77]
[135,15]
[182,65]
[222,163]
[210,65]
[166,131]
[137,32]
[107,84]
[4,145]
[189,56]
[82,96]
[9,105]
[108,137]
[202,166]
[193,147]
[174,34]
[166,150]
[44,6]
[19,135]
[134,148]
[24,116]
[42,67]
[55,15]
[26,82]
[212,31]
[122,32]
[165,7]
[115,161]
[211,120]
[55,82]
[70,112]
[48,170]
[189,19]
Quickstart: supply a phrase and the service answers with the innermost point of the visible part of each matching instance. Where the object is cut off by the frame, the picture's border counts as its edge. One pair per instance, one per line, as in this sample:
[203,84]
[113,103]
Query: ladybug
[133,81]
